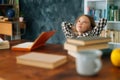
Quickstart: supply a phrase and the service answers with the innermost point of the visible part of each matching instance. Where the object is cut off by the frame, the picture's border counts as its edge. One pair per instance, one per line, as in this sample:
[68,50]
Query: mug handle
[98,65]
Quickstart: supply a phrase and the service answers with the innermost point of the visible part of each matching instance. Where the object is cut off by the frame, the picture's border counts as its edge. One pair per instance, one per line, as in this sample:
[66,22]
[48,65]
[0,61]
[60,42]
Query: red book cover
[40,41]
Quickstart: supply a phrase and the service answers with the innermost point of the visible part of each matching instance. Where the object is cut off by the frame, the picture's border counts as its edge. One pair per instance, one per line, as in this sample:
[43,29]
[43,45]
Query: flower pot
[21,19]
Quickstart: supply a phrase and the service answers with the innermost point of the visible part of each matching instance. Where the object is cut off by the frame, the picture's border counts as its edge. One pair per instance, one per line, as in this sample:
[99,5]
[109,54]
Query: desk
[12,71]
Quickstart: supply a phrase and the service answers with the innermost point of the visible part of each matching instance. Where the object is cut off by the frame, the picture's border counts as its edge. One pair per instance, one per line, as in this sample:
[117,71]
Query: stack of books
[4,44]
[83,43]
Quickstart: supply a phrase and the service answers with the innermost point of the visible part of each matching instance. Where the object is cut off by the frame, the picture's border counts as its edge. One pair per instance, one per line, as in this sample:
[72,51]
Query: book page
[24,45]
[4,44]
[1,40]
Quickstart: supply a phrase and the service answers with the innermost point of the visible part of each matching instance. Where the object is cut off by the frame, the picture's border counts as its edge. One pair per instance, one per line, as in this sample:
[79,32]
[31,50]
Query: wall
[45,15]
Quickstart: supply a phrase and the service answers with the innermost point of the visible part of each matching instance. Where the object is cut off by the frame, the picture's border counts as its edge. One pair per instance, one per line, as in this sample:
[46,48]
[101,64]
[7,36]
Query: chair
[12,30]
[6,29]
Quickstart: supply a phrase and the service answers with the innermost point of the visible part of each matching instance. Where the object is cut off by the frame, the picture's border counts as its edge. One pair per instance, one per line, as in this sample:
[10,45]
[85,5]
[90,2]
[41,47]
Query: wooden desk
[9,70]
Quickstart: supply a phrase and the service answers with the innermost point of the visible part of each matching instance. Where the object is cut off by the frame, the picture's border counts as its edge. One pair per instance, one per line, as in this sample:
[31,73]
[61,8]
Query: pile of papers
[4,44]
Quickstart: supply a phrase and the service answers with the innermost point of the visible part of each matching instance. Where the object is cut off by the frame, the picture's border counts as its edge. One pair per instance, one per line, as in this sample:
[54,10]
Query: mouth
[80,27]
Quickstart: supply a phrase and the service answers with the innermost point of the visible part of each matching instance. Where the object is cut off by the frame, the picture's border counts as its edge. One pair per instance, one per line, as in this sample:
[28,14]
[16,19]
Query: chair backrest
[6,28]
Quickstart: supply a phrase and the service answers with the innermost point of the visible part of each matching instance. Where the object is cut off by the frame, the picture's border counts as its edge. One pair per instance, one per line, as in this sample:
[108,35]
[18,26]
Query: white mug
[21,19]
[88,62]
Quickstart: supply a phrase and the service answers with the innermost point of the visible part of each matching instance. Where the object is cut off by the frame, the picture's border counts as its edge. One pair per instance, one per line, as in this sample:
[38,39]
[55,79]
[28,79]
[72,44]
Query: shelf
[109,9]
[6,5]
[110,22]
[9,6]
[96,0]
[113,45]
[113,21]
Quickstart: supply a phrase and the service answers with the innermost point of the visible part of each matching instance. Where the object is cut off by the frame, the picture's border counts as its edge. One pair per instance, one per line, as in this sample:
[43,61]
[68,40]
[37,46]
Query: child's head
[84,23]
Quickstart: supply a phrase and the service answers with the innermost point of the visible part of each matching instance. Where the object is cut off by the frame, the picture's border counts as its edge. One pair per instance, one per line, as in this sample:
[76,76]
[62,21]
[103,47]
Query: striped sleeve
[67,29]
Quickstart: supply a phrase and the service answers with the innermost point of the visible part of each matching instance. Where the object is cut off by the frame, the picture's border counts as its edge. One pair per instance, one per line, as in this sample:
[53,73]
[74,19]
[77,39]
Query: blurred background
[45,15]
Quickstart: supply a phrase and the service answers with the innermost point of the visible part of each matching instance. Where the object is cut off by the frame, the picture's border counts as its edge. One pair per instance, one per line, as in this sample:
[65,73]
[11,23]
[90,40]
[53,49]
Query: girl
[84,26]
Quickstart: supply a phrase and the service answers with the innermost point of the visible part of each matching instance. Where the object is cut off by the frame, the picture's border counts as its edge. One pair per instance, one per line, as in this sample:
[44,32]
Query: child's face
[83,24]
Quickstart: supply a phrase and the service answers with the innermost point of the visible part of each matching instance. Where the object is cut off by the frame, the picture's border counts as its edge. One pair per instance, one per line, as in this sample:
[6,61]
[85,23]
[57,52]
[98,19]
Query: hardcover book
[89,40]
[43,60]
[77,47]
[40,41]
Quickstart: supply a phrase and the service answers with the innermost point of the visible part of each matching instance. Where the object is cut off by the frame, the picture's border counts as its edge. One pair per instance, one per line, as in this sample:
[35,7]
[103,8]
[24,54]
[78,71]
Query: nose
[80,23]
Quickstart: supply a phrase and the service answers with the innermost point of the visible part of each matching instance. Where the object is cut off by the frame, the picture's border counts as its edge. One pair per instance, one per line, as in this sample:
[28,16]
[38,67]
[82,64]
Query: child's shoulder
[64,23]
[103,19]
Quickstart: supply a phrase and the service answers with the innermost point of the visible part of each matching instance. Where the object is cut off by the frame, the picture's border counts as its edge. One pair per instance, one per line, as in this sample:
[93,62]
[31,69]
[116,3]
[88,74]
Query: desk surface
[9,70]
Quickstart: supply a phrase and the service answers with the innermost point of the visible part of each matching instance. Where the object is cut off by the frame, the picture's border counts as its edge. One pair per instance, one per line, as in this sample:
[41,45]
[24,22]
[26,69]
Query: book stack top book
[89,40]
[75,45]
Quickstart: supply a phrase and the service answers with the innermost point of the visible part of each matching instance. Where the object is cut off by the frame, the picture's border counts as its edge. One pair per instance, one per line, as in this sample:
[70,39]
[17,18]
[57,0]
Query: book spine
[76,48]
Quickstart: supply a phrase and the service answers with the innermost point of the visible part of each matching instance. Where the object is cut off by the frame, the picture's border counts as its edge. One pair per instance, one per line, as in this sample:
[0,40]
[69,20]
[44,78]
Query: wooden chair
[6,29]
[12,30]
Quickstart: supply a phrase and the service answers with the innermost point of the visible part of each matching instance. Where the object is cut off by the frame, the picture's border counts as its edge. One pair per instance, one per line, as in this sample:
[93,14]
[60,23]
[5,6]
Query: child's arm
[97,29]
[69,33]
[67,29]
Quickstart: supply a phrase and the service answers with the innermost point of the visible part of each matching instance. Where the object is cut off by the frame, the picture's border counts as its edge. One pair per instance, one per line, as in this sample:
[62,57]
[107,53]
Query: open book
[40,41]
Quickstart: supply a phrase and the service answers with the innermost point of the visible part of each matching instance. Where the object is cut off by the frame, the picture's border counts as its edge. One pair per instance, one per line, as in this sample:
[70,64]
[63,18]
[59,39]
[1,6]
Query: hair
[92,21]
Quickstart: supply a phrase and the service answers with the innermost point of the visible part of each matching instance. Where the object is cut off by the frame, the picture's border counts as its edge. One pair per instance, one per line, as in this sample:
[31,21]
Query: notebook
[40,41]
